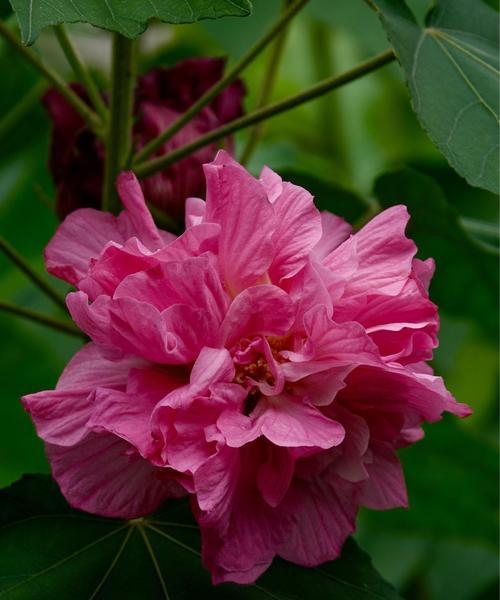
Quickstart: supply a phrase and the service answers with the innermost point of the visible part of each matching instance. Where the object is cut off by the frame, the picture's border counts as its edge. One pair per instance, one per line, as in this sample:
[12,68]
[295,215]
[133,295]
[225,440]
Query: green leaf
[466,280]
[451,66]
[128,17]
[329,195]
[451,475]
[48,550]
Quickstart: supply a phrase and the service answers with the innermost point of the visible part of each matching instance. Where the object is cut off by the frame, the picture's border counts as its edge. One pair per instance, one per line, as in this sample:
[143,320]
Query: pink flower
[267,362]
[76,157]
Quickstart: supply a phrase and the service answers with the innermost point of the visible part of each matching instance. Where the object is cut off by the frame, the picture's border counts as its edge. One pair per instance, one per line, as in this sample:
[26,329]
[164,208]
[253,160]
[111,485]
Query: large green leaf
[48,550]
[451,66]
[466,280]
[128,17]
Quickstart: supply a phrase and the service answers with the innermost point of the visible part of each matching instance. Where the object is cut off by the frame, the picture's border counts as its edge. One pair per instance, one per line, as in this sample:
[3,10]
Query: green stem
[80,70]
[266,90]
[54,78]
[153,166]
[371,5]
[119,139]
[329,128]
[42,319]
[215,90]
[22,264]
[23,106]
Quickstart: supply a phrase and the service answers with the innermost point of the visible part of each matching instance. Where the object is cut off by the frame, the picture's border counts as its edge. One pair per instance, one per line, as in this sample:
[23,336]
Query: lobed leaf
[48,550]
[128,17]
[452,69]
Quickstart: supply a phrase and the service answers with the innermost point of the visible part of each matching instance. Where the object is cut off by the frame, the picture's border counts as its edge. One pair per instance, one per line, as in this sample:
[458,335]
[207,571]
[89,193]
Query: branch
[20,262]
[119,139]
[42,319]
[23,106]
[80,70]
[153,166]
[54,78]
[217,88]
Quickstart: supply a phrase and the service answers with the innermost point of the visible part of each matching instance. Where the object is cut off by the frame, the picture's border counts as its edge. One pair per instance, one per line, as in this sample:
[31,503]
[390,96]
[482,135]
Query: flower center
[258,370]
[256,364]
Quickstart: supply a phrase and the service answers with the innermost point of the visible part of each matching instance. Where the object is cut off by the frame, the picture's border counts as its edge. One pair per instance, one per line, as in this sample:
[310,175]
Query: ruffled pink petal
[395,390]
[329,345]
[180,422]
[104,475]
[93,319]
[213,365]
[404,326]
[423,271]
[60,416]
[307,289]
[240,531]
[195,211]
[383,253]
[334,231]
[181,419]
[128,414]
[284,421]
[263,309]
[114,264]
[85,233]
[173,336]
[350,456]
[385,487]
[138,214]
[195,241]
[322,386]
[322,515]
[275,475]
[193,282]
[239,204]
[272,182]
[298,230]
[81,236]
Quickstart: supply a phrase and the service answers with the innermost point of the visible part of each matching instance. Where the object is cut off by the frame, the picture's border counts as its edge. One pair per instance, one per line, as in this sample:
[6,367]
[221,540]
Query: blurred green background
[445,546]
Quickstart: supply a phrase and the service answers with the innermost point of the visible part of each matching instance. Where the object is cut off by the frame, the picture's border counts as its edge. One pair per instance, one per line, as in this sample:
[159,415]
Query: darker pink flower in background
[267,362]
[162,95]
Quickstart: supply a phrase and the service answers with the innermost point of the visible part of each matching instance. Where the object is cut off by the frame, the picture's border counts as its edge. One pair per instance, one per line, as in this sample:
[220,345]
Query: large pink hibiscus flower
[267,362]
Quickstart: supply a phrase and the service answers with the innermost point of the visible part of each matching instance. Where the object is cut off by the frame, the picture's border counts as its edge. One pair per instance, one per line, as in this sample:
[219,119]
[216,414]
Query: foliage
[451,66]
[128,18]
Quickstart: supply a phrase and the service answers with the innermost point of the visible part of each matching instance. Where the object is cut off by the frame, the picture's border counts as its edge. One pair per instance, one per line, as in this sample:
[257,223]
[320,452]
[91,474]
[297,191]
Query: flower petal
[284,421]
[322,514]
[385,487]
[259,310]
[102,474]
[128,414]
[334,231]
[384,255]
[193,282]
[239,204]
[81,236]
[61,415]
[298,230]
[173,336]
[137,213]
